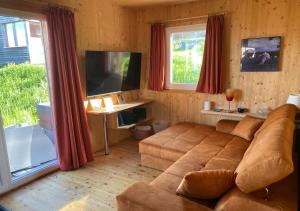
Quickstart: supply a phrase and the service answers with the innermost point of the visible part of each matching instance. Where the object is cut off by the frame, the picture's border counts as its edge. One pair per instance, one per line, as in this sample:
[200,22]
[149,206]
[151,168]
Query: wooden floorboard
[93,187]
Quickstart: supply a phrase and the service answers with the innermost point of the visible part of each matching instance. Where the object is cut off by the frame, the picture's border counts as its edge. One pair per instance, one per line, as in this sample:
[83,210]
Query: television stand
[110,117]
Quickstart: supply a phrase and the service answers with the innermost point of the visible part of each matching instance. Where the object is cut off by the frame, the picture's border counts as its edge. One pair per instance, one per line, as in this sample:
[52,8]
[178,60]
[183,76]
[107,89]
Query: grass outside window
[185,47]
[22,87]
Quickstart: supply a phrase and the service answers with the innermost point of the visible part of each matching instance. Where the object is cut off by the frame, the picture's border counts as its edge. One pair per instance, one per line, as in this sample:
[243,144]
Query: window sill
[178,91]
[184,91]
[25,46]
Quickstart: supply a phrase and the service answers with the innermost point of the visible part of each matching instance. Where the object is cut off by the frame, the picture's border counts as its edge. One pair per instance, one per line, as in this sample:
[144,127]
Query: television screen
[108,72]
[260,54]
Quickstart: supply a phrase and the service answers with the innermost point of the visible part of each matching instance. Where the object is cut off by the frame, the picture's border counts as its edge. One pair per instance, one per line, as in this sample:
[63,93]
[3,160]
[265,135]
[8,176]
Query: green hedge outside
[22,87]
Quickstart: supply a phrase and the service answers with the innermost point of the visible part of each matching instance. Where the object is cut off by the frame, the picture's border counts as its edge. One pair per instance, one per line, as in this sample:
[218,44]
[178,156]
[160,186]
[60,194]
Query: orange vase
[229,97]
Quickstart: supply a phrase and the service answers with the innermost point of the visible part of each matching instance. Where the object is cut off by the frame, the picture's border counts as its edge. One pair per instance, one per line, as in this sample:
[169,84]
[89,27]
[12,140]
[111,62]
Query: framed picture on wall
[260,54]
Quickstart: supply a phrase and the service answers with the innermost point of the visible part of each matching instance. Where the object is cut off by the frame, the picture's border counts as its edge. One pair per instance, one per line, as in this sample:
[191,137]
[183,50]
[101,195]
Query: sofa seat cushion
[143,197]
[200,155]
[167,181]
[230,156]
[217,139]
[194,160]
[283,195]
[175,141]
[212,153]
[155,162]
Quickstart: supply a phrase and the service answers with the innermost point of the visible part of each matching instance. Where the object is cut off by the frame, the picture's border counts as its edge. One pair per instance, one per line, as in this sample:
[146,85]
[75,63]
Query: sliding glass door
[27,137]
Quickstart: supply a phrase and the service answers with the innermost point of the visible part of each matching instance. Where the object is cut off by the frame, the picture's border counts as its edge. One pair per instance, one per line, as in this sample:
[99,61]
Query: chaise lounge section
[265,161]
[162,149]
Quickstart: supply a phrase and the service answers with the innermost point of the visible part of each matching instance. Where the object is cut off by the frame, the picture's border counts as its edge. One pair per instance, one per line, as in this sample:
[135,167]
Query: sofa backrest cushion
[247,127]
[284,111]
[268,158]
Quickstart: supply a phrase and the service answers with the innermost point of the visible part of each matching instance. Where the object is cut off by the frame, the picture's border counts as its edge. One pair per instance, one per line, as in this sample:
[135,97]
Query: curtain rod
[187,19]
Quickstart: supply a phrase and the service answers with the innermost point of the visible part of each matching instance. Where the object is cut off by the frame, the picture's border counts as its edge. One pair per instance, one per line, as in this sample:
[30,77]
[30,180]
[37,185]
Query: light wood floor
[93,187]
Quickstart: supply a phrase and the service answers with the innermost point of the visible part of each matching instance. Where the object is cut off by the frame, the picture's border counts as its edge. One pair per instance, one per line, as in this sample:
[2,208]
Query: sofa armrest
[141,196]
[226,126]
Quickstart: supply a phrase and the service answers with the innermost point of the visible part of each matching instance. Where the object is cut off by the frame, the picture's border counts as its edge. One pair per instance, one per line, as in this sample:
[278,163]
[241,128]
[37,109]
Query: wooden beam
[23,6]
[31,5]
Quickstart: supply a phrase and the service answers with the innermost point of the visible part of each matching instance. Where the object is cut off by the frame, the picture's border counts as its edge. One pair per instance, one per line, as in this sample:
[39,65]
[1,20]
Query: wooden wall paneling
[96,131]
[100,25]
[103,25]
[113,122]
[243,19]
[95,123]
[117,135]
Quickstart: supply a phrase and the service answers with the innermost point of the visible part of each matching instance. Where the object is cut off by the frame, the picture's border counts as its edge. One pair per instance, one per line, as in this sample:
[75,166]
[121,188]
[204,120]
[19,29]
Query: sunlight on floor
[80,204]
[93,187]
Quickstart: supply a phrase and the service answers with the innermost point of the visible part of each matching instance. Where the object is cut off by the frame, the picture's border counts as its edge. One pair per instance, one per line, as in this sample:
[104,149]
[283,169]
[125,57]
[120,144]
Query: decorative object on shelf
[260,54]
[96,103]
[263,111]
[241,110]
[217,110]
[207,105]
[294,99]
[229,97]
[87,105]
[109,106]
[121,99]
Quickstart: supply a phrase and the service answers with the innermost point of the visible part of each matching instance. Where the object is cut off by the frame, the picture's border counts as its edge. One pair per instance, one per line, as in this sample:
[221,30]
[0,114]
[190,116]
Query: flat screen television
[108,72]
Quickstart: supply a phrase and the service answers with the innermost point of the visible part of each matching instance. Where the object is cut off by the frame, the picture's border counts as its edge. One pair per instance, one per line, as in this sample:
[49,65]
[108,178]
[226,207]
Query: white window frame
[169,31]
[15,36]
[5,176]
[6,181]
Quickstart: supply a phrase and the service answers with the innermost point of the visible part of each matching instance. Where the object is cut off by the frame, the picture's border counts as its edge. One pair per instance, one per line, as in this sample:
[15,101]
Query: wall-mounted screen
[108,72]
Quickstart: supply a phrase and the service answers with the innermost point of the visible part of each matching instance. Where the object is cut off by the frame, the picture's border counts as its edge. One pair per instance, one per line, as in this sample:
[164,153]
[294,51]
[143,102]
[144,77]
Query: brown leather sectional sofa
[266,161]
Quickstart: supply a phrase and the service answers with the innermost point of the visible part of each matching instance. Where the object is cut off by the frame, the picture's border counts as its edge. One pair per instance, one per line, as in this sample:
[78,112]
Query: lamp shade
[294,99]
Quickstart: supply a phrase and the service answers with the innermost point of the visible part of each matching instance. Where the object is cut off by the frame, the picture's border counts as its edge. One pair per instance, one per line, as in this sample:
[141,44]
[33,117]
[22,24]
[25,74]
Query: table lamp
[294,99]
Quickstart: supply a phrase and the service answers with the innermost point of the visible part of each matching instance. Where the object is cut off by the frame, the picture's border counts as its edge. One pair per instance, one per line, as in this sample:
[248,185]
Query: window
[35,29]
[185,46]
[16,34]
[21,125]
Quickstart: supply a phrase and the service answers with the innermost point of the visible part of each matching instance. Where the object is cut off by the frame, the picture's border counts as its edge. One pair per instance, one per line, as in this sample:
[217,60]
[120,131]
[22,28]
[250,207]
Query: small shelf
[234,114]
[120,107]
[135,124]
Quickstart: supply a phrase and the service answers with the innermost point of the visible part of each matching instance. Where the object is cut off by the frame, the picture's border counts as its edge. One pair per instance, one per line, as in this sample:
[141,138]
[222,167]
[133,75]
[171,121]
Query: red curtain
[212,70]
[72,134]
[157,58]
